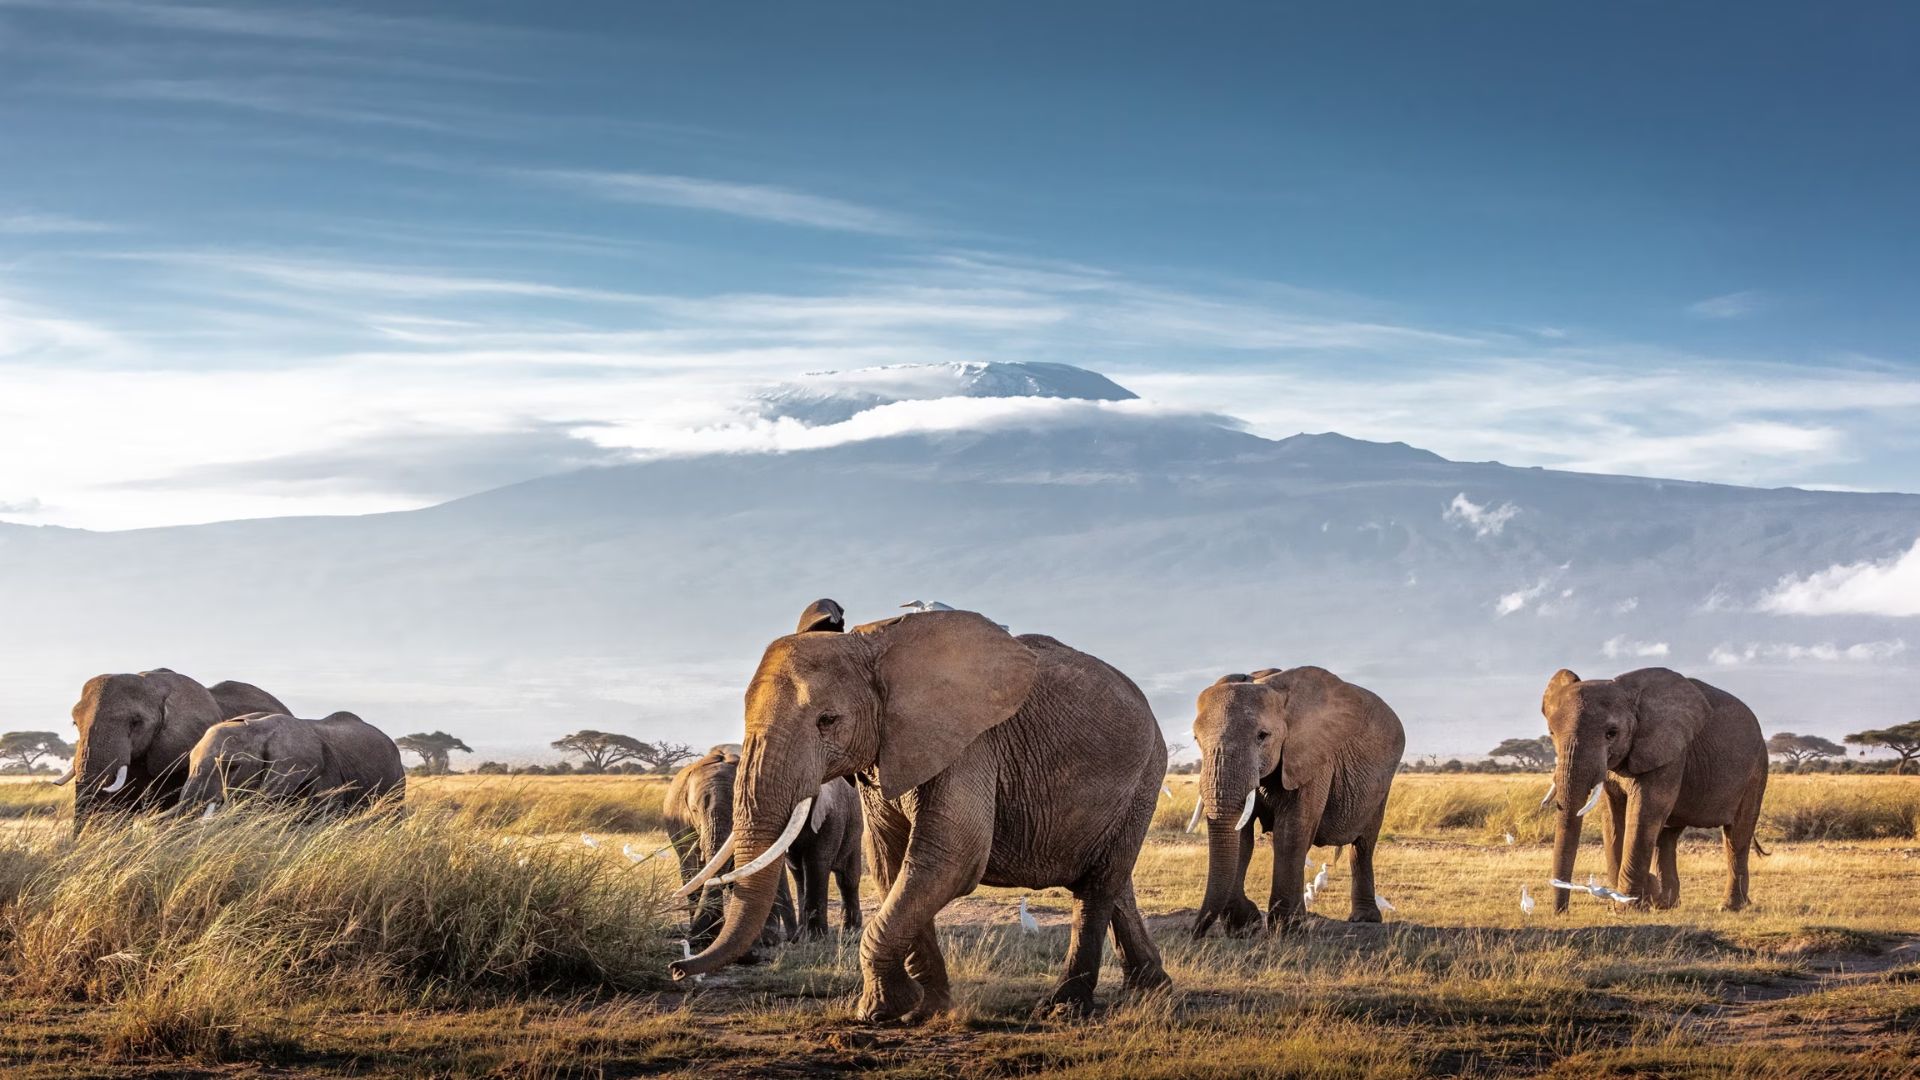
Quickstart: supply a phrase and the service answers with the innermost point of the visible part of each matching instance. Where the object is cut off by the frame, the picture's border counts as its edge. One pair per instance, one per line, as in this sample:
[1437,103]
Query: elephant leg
[1648,806]
[1366,903]
[1666,890]
[946,855]
[813,899]
[848,877]
[1139,956]
[1293,829]
[1093,904]
[1737,835]
[1613,829]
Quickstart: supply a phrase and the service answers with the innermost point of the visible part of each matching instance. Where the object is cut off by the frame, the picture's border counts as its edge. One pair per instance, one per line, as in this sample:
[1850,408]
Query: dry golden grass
[422,947]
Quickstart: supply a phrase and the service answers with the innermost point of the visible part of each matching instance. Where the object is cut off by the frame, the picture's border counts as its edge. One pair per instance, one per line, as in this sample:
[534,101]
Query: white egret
[1027,922]
[1526,901]
[589,841]
[1509,839]
[1320,879]
[1381,901]
[632,855]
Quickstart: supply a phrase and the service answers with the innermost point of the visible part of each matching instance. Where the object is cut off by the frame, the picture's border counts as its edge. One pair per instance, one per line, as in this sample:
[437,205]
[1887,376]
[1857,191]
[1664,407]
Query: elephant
[1320,753]
[983,758]
[698,813]
[136,731]
[1668,752]
[339,764]
[829,847]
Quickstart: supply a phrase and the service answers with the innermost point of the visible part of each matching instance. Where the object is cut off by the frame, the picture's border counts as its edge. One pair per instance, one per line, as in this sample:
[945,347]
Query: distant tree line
[598,751]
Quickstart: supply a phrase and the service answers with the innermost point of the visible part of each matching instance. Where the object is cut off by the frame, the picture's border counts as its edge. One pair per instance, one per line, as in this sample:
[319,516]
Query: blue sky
[271,259]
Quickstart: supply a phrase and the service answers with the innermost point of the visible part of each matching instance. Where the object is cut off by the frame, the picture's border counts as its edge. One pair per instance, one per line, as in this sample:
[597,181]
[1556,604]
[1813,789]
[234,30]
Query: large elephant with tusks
[983,758]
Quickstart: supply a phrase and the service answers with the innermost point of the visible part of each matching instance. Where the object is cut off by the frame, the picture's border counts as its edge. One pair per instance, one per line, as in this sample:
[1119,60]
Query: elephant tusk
[119,781]
[1551,784]
[65,777]
[779,847]
[1591,799]
[713,867]
[1194,821]
[1246,814]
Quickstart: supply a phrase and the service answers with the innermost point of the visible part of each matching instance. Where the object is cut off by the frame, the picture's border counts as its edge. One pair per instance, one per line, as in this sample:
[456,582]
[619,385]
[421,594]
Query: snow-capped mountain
[830,397]
[1178,547]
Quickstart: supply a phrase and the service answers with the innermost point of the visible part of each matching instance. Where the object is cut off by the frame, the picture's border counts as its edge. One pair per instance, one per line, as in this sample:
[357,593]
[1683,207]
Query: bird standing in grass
[1027,922]
[589,841]
[1526,901]
[1381,902]
[1509,839]
[1320,879]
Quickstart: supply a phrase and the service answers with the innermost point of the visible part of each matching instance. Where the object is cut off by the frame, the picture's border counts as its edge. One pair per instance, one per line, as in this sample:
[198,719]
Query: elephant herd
[158,740]
[980,757]
[947,753]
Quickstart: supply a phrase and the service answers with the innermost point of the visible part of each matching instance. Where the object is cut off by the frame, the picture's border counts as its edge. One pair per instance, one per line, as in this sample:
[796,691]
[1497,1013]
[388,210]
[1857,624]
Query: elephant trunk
[1573,783]
[1227,785]
[100,767]
[1223,871]
[772,794]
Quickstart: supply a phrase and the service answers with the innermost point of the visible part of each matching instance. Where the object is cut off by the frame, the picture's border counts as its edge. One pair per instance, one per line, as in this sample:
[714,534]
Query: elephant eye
[1262,736]
[1612,731]
[827,720]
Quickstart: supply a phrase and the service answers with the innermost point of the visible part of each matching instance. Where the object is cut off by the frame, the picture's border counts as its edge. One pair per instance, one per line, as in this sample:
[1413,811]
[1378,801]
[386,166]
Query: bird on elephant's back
[1312,757]
[983,759]
[1663,753]
[136,732]
[337,764]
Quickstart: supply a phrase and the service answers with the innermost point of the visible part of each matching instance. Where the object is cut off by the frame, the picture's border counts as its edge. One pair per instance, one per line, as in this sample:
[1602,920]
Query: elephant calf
[1668,752]
[338,764]
[1323,753]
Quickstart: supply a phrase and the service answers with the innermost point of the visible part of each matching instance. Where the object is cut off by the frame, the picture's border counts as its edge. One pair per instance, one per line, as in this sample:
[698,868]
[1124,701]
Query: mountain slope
[639,596]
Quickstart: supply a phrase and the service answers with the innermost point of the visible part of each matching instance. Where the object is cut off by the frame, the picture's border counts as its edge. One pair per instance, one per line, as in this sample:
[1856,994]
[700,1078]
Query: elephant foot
[1735,903]
[1366,914]
[1148,980]
[1281,923]
[1243,918]
[1073,997]
[888,996]
[934,1000]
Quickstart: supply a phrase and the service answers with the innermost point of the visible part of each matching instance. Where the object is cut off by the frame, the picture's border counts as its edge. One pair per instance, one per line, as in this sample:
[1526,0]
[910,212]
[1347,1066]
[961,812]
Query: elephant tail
[1761,850]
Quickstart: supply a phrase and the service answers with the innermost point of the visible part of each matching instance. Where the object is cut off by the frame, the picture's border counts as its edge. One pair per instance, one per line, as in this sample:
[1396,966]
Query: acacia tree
[435,749]
[603,750]
[1526,753]
[26,748]
[1902,739]
[1801,750]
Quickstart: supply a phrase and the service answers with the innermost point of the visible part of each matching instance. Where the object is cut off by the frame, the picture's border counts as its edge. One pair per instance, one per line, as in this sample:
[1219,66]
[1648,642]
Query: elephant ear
[1669,711]
[1319,718]
[944,677]
[187,710]
[1555,687]
[823,615]
[295,757]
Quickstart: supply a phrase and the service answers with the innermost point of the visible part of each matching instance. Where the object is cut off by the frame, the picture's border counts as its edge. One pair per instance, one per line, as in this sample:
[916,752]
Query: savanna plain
[480,934]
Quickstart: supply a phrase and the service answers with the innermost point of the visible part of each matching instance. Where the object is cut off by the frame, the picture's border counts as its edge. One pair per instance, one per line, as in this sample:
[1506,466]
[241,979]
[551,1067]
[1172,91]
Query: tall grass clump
[541,805]
[205,935]
[1487,807]
[1841,808]
[32,798]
